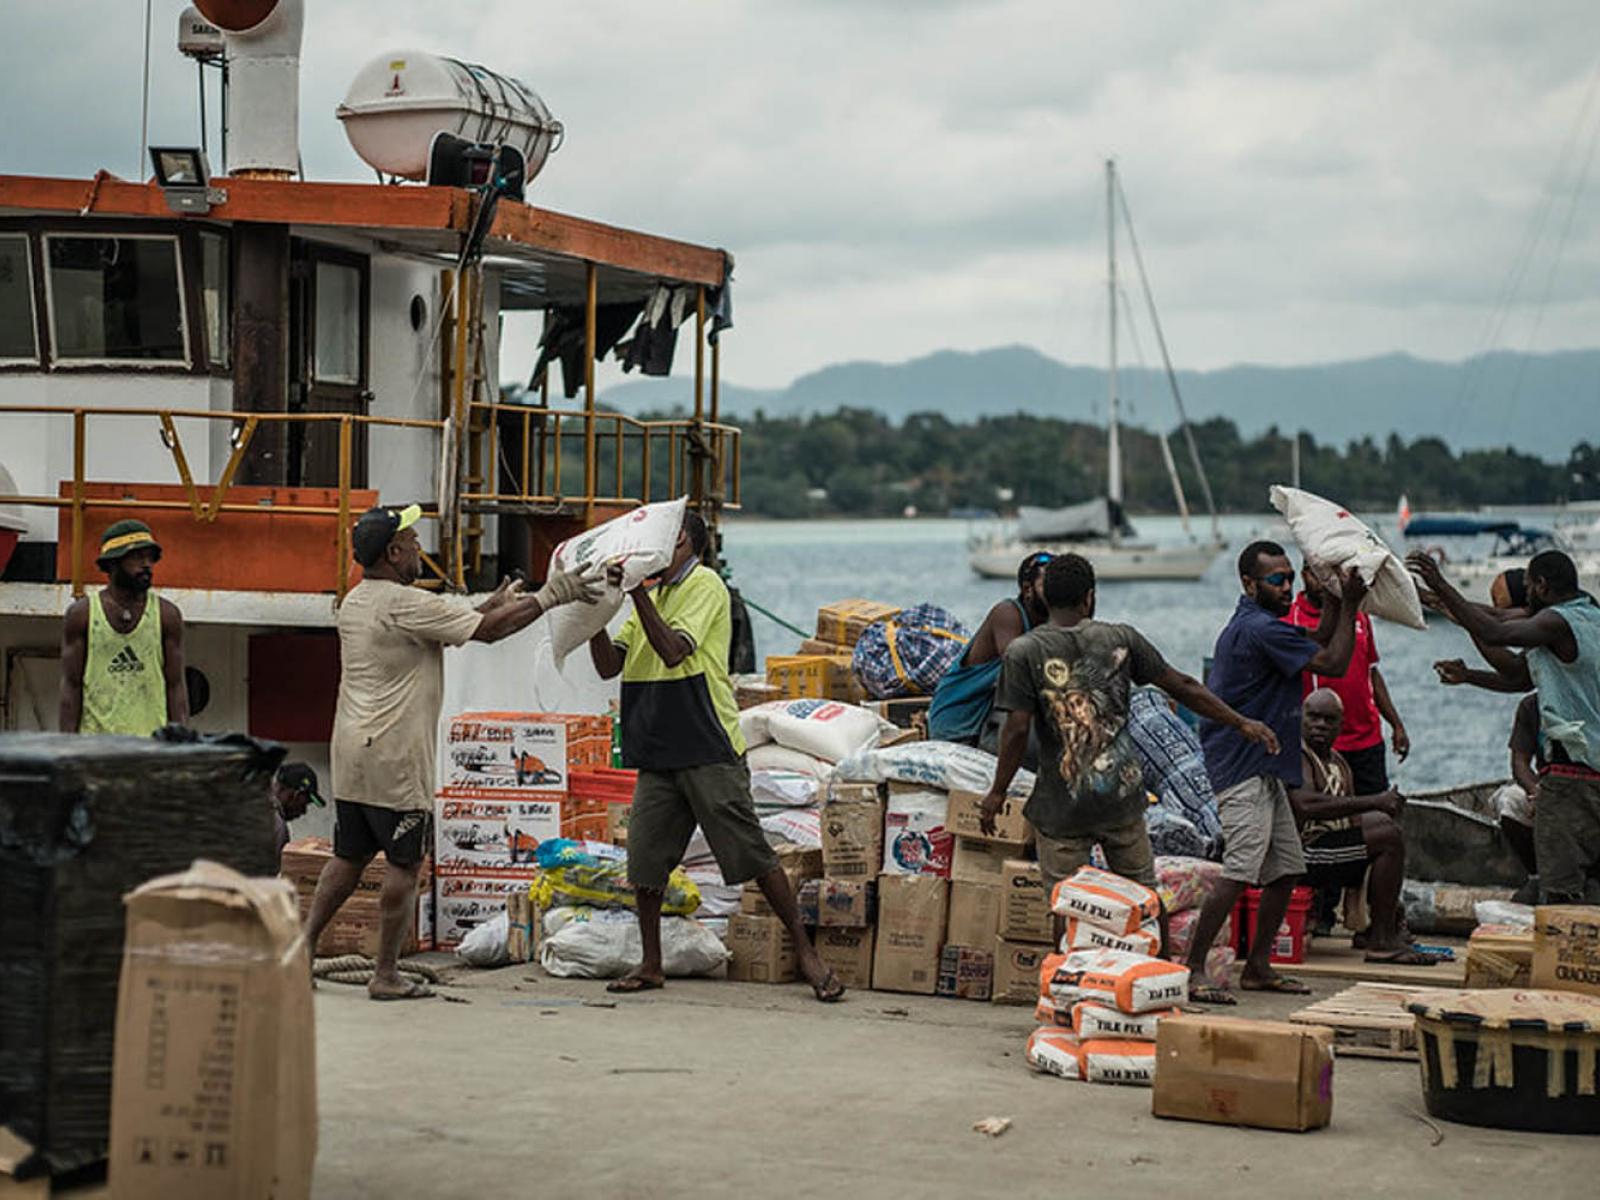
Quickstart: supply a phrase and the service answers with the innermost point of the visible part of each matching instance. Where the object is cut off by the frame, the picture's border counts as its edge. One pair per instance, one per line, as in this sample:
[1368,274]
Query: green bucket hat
[125,537]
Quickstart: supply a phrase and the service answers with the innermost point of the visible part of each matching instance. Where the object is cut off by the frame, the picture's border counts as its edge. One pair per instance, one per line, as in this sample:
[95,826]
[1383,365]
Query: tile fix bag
[1118,1062]
[1055,1052]
[1045,1012]
[1134,983]
[1092,1019]
[1081,935]
[1105,900]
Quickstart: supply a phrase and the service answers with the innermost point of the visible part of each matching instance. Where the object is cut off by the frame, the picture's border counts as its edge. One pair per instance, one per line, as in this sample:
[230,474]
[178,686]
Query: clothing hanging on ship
[563,339]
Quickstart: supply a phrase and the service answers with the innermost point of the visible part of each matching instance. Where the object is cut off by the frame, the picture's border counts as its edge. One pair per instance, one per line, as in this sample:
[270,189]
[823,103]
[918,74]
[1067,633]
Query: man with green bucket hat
[122,648]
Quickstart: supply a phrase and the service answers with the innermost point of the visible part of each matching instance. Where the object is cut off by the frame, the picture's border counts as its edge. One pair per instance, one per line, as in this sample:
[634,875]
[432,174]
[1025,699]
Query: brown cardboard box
[762,950]
[1024,908]
[974,914]
[826,649]
[354,928]
[1566,948]
[751,692]
[842,792]
[981,862]
[839,903]
[965,973]
[1232,1071]
[852,838]
[815,676]
[214,1089]
[1016,971]
[844,621]
[911,919]
[799,863]
[848,952]
[1499,957]
[966,811]
[618,817]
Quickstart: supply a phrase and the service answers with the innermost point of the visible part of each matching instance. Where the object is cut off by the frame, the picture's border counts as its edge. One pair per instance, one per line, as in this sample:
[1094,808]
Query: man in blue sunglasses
[1256,669]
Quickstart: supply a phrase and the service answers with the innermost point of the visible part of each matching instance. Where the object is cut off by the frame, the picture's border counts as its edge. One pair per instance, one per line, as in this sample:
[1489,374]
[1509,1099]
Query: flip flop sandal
[630,985]
[830,990]
[1206,994]
[417,991]
[1405,958]
[1283,984]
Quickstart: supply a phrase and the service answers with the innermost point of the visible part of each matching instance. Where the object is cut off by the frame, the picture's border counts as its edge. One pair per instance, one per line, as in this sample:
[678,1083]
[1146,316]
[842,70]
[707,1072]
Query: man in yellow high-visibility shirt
[122,648]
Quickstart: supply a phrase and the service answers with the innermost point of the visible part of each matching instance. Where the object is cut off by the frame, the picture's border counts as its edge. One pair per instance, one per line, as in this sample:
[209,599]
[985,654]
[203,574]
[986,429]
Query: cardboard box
[617,818]
[463,901]
[848,953]
[852,838]
[965,973]
[1232,1071]
[911,919]
[523,753]
[982,862]
[966,813]
[1016,971]
[974,914]
[799,863]
[1499,957]
[905,711]
[750,692]
[492,835]
[841,792]
[839,903]
[354,928]
[762,950]
[1566,948]
[916,836]
[844,621]
[1025,914]
[214,1089]
[815,676]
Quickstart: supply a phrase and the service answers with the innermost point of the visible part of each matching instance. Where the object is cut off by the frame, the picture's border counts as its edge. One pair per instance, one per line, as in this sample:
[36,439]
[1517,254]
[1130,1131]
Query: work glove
[567,587]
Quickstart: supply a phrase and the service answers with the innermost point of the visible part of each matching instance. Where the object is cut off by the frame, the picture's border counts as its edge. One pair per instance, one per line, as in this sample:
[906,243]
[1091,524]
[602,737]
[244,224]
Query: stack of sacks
[1106,986]
[1185,884]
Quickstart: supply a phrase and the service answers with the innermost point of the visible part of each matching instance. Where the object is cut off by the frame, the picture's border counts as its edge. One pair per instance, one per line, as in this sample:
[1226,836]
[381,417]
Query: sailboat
[1099,529]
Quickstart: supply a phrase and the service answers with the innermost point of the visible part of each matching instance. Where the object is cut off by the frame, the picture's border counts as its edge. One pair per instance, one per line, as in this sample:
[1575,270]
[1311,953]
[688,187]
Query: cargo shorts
[1566,838]
[668,805]
[1261,842]
[1127,851]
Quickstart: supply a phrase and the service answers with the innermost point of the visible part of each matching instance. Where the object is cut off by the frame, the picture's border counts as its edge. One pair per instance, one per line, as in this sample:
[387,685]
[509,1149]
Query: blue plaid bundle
[907,654]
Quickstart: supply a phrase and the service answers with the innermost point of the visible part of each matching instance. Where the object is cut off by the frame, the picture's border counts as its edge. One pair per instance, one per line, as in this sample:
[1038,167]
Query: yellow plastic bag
[605,885]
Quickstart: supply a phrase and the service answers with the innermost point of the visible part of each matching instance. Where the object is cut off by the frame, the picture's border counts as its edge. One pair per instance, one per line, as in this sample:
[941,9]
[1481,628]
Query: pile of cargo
[822,668]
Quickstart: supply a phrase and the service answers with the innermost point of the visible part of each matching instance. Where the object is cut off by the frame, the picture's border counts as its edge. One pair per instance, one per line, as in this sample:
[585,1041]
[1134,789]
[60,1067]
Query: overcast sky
[1310,180]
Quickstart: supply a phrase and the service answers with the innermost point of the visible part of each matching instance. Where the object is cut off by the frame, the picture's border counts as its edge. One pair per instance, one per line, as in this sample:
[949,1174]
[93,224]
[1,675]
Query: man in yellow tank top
[122,648]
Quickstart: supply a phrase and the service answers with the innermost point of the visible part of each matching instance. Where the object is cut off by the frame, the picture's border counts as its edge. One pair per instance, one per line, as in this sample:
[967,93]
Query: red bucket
[1289,946]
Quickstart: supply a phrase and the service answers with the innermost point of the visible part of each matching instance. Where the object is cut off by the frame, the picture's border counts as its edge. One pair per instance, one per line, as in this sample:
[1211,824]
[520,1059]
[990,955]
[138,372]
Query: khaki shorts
[1261,842]
[1127,850]
[667,805]
[1566,838]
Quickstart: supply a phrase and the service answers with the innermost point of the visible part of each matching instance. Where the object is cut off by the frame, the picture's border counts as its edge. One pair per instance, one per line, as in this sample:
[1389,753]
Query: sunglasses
[1277,578]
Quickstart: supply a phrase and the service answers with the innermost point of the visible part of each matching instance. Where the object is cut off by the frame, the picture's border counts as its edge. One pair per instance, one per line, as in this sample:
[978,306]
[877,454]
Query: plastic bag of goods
[915,839]
[784,789]
[1100,898]
[1185,883]
[825,729]
[576,852]
[1053,1051]
[1329,535]
[1173,833]
[598,943]
[641,542]
[1134,983]
[486,943]
[908,654]
[945,766]
[606,886]
[1092,1019]
[1504,912]
[1107,1061]
[769,756]
[1081,935]
[794,827]
[1180,933]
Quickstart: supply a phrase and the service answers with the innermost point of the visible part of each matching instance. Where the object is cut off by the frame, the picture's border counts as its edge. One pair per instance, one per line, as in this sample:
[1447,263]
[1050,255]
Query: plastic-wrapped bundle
[606,885]
[908,654]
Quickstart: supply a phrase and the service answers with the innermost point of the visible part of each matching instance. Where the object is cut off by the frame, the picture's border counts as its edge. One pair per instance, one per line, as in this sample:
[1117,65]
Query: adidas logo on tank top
[125,662]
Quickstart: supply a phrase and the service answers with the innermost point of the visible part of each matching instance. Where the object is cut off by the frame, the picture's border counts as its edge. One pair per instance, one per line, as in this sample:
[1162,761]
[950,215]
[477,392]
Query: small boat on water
[1512,544]
[1453,836]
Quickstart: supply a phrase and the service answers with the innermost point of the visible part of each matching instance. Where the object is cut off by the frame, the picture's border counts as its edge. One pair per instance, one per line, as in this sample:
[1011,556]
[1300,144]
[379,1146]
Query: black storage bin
[83,820]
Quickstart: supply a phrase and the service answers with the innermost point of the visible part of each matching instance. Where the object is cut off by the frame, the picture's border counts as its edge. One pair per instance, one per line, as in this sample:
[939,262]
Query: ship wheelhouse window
[116,299]
[216,295]
[18,333]
[336,357]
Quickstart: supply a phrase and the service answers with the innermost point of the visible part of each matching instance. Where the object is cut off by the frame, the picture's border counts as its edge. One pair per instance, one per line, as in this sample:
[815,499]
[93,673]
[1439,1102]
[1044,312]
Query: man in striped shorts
[1347,838]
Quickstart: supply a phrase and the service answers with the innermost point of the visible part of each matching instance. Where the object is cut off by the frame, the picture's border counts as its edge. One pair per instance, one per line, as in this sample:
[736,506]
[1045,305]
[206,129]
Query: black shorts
[361,830]
[1337,859]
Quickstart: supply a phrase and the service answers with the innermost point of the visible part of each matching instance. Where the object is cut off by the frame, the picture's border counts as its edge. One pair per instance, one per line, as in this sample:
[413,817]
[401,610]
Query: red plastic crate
[1289,946]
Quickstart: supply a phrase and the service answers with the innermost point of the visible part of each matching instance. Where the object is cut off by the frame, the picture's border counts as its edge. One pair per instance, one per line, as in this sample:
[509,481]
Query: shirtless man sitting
[1349,838]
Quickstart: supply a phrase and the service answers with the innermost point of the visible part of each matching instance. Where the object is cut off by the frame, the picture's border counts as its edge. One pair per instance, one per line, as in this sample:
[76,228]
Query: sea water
[1458,735]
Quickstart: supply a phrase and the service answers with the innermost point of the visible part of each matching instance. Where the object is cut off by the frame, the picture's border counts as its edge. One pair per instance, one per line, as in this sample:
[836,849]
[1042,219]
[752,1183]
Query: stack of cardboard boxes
[849,902]
[354,928]
[822,669]
[999,923]
[507,779]
[759,943]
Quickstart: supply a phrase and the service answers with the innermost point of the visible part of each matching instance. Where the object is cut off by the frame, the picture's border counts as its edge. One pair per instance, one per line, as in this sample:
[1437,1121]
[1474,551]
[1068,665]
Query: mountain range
[1538,403]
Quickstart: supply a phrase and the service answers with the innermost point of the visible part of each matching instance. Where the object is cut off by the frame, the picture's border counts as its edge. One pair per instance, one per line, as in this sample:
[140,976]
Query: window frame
[30,256]
[187,364]
[316,254]
[222,368]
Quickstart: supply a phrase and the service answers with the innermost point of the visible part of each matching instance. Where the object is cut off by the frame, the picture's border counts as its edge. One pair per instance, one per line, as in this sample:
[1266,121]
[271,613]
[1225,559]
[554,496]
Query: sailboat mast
[1114,434]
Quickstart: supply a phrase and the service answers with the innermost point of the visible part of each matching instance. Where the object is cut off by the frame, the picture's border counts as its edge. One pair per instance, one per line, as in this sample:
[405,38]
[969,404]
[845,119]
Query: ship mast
[1114,434]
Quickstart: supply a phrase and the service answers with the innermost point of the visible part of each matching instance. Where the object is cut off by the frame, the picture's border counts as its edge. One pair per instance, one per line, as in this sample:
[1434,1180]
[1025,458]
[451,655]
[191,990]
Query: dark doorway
[330,307]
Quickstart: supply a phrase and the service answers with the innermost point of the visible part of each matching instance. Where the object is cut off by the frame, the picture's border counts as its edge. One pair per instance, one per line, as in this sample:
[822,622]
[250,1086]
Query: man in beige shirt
[391,688]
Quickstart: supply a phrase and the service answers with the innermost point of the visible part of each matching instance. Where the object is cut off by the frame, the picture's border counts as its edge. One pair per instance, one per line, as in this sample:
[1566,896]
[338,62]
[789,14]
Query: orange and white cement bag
[1103,1061]
[1047,972]
[1055,1052]
[1081,935]
[1092,1019]
[1105,900]
[1134,983]
[1045,1012]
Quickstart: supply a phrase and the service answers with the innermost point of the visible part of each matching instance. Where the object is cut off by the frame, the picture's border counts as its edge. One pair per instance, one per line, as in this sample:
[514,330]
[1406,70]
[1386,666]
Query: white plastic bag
[599,943]
[945,766]
[1330,535]
[1503,912]
[769,756]
[485,943]
[784,789]
[825,729]
[641,541]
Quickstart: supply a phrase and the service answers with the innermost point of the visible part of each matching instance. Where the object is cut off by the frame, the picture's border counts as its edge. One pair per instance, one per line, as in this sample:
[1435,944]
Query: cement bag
[1045,1012]
[486,943]
[1134,983]
[1048,966]
[1185,883]
[946,766]
[908,654]
[1055,1052]
[1329,535]
[607,886]
[784,789]
[1118,1062]
[604,944]
[824,729]
[1092,1019]
[641,541]
[769,756]
[1100,898]
[794,827]
[915,840]
[1081,935]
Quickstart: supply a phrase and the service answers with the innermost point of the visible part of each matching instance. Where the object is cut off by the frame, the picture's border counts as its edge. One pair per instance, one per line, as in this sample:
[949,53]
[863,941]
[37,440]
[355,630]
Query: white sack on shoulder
[640,541]
[1330,535]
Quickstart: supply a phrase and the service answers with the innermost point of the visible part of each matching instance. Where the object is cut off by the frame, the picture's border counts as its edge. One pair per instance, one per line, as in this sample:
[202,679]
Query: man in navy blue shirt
[1256,669]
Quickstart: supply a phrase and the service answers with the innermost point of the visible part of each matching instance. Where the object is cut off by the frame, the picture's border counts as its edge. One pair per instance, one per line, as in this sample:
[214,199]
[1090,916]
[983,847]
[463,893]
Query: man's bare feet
[636,982]
[824,983]
[397,987]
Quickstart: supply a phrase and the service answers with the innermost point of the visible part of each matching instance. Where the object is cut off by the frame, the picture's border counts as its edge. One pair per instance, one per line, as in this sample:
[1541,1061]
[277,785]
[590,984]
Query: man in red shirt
[1365,696]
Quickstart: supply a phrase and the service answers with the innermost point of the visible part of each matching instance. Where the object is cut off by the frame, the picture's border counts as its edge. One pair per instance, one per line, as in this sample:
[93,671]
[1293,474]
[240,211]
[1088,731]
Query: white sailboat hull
[1124,561]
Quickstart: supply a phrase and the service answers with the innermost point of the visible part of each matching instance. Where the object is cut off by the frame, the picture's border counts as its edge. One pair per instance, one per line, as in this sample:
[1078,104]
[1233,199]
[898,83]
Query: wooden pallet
[1369,1020]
